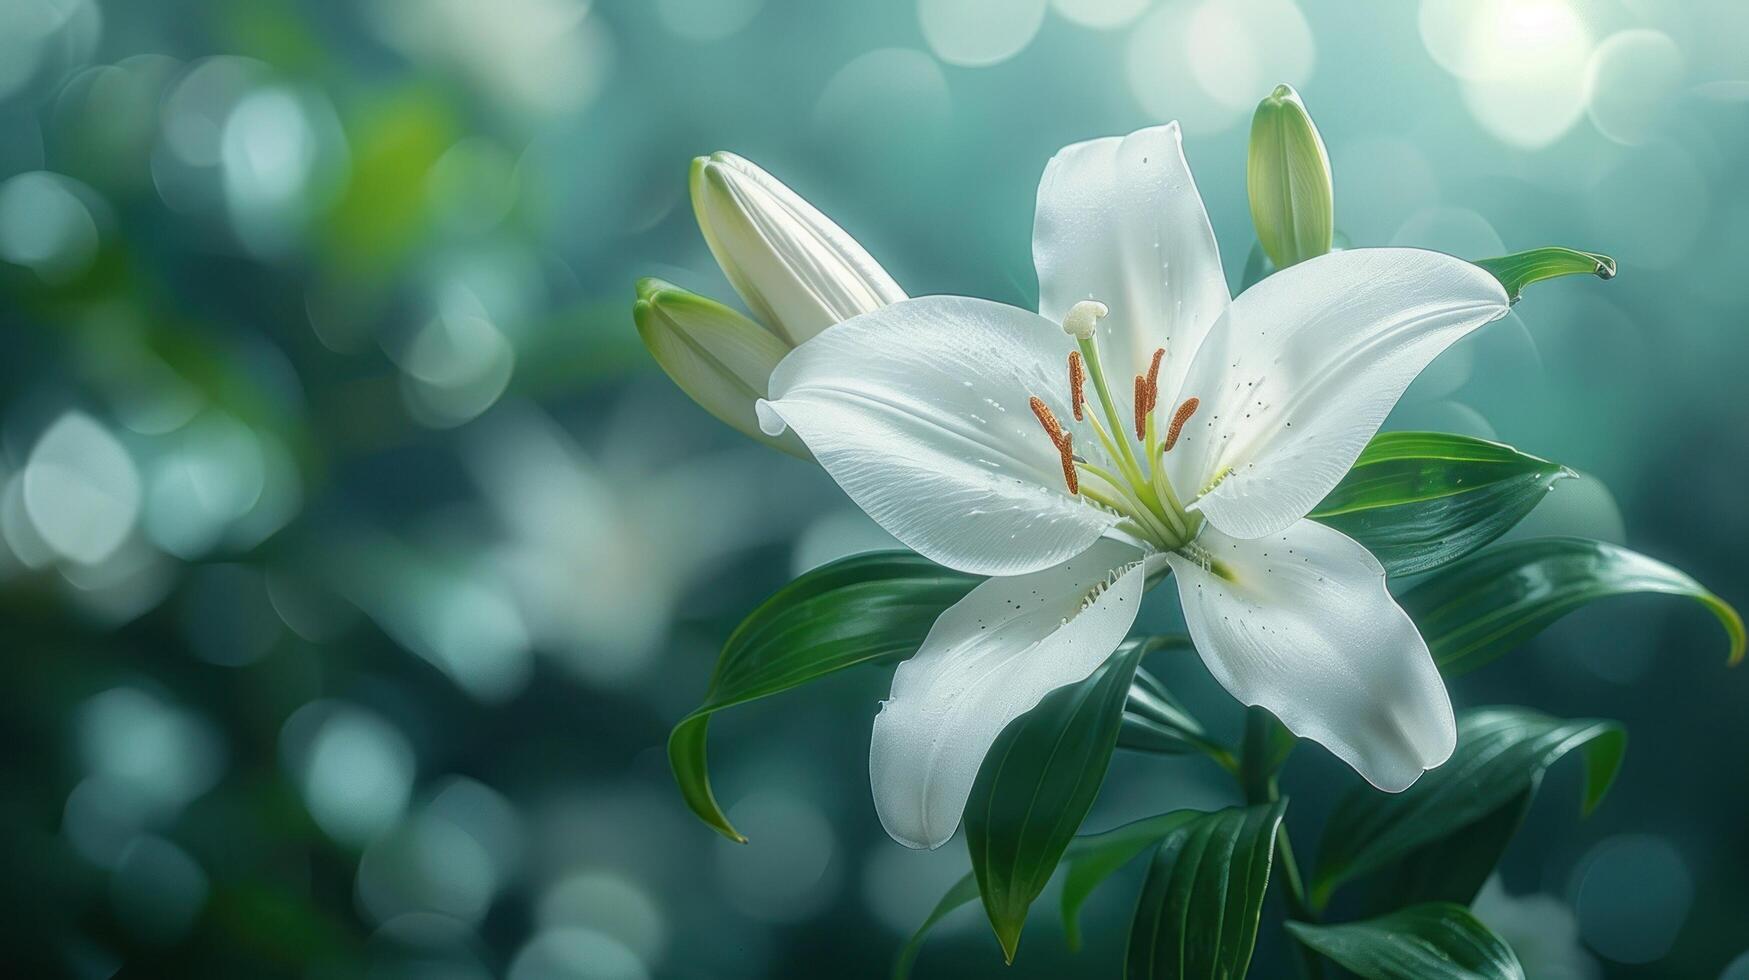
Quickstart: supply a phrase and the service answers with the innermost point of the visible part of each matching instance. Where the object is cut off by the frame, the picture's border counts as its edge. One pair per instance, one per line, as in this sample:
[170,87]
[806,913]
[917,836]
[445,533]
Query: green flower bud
[1288,177]
[717,356]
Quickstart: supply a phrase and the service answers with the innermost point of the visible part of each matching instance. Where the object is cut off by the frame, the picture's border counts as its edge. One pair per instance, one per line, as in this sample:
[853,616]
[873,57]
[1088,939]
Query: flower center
[1139,491]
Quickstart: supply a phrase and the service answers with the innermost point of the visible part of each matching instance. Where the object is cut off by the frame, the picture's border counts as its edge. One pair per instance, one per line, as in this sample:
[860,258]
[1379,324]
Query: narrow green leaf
[1035,786]
[1455,867]
[873,608]
[1436,941]
[1501,754]
[1200,905]
[1095,857]
[1089,860]
[1421,500]
[962,893]
[1156,721]
[1521,269]
[1490,603]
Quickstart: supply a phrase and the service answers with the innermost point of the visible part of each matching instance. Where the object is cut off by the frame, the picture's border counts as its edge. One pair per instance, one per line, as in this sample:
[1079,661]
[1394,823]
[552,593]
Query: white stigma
[1081,318]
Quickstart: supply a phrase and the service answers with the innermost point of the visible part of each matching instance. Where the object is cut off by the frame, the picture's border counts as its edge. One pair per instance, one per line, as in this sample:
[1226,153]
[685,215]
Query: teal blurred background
[355,559]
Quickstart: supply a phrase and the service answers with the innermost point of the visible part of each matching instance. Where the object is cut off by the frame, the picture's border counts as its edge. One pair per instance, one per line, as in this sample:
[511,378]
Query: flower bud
[796,270]
[717,356]
[1288,177]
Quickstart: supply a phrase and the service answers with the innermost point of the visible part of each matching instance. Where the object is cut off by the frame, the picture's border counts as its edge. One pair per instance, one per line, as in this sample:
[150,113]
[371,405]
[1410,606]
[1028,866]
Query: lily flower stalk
[1142,422]
[796,270]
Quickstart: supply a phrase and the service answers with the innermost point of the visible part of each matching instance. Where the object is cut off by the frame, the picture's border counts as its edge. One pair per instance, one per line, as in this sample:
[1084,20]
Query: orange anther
[1077,384]
[1185,411]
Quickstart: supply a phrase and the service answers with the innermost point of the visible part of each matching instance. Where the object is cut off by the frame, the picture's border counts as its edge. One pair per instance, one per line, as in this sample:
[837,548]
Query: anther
[1142,407]
[1077,384]
[1185,411]
[1079,321]
[1048,419]
[1154,375]
[1063,441]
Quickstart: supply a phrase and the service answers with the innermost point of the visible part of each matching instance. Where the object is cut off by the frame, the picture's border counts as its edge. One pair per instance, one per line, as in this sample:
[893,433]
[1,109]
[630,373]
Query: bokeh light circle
[1632,893]
[46,224]
[976,33]
[878,94]
[707,20]
[1100,14]
[1631,79]
[1204,65]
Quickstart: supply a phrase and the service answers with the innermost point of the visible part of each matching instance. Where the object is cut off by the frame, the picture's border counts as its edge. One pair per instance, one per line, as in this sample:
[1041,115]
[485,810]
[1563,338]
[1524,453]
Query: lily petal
[1300,623]
[1304,367]
[796,269]
[989,659]
[920,412]
[1119,220]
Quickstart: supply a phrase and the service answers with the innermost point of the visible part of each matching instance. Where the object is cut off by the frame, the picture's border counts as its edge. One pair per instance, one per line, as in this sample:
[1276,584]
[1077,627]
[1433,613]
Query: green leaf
[1089,860]
[1421,500]
[1436,941]
[1455,867]
[1200,905]
[873,608]
[1156,721]
[1035,786]
[962,893]
[1501,754]
[1521,269]
[1490,603]
[1095,857]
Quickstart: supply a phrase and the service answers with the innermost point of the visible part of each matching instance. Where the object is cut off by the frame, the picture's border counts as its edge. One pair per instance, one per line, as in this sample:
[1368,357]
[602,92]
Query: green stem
[1259,761]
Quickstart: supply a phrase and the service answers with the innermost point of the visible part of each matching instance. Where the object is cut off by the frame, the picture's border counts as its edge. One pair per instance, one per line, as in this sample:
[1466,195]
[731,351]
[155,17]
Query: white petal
[796,269]
[988,660]
[1120,221]
[1300,623]
[920,412]
[1304,367]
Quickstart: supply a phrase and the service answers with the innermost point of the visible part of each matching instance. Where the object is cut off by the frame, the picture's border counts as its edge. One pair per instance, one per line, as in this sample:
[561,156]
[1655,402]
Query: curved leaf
[962,893]
[1089,860]
[1156,721]
[1521,269]
[1200,905]
[1420,500]
[1436,941]
[1501,754]
[873,608]
[1455,867]
[1486,605]
[1035,786]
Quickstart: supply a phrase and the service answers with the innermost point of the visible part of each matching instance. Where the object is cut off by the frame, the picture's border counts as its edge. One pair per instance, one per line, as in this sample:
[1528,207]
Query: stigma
[1082,317]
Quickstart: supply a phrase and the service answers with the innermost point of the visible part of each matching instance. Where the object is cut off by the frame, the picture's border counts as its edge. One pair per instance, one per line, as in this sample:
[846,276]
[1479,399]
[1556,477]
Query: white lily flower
[1174,427]
[797,271]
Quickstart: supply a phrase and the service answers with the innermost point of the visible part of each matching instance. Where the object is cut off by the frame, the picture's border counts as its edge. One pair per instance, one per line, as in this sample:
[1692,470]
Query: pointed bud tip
[650,286]
[1284,93]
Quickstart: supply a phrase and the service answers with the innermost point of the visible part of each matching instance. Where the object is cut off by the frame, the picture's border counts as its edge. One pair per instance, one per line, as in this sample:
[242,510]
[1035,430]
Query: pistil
[1138,491]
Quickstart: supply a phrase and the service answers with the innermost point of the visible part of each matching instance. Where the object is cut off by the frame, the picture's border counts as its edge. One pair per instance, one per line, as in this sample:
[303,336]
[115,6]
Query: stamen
[1154,375]
[1142,407]
[1046,418]
[1077,384]
[1063,441]
[1185,411]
